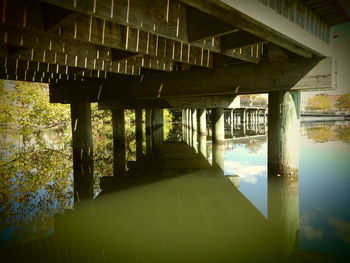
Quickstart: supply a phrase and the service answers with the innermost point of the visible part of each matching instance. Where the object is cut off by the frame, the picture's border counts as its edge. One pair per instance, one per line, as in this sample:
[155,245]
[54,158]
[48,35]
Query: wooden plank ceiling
[48,41]
[57,40]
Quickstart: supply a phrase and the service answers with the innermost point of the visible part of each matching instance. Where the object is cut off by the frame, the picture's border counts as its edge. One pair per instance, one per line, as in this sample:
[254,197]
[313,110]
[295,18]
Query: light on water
[183,204]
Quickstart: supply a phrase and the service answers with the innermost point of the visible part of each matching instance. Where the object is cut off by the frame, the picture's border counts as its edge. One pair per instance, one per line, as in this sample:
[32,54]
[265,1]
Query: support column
[119,149]
[243,115]
[202,121]
[218,125]
[265,112]
[83,168]
[157,129]
[232,117]
[148,120]
[284,128]
[194,119]
[138,134]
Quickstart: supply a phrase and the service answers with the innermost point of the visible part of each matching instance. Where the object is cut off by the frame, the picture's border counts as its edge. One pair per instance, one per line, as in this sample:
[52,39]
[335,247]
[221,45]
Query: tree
[343,102]
[319,102]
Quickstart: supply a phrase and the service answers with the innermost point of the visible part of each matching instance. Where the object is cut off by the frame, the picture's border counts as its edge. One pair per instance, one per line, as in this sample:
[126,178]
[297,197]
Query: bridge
[191,55]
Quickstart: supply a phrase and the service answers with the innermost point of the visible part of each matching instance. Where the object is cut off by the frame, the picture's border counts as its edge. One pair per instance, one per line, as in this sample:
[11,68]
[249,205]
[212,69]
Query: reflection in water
[326,132]
[189,201]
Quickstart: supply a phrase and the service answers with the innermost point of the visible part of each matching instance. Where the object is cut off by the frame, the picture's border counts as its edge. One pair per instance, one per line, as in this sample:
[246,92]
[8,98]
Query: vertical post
[82,150]
[194,119]
[284,127]
[119,149]
[232,117]
[148,131]
[243,115]
[218,125]
[138,133]
[202,121]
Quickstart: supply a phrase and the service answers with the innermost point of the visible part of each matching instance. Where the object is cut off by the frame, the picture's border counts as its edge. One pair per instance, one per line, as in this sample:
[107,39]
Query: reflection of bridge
[176,205]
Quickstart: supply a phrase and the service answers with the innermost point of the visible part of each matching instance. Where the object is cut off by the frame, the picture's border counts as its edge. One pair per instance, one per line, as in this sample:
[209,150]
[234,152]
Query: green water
[189,202]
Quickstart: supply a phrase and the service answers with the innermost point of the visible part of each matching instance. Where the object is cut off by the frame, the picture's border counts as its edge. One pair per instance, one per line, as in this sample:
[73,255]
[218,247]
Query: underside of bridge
[156,54]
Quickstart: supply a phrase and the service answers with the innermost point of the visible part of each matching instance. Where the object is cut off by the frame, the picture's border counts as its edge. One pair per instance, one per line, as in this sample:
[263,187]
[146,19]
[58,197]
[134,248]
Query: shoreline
[324,117]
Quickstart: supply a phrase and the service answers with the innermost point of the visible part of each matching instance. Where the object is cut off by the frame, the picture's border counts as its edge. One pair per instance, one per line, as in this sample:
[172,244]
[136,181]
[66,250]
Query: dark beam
[170,103]
[239,39]
[301,74]
[203,26]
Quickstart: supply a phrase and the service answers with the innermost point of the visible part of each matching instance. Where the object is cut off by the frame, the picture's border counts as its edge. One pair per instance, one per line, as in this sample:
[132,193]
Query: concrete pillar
[284,128]
[138,133]
[194,140]
[218,125]
[202,121]
[232,117]
[148,121]
[119,149]
[243,115]
[189,119]
[194,119]
[83,168]
[203,145]
[157,129]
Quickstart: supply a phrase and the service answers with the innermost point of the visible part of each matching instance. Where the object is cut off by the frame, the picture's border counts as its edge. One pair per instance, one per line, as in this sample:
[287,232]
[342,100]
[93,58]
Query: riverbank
[324,117]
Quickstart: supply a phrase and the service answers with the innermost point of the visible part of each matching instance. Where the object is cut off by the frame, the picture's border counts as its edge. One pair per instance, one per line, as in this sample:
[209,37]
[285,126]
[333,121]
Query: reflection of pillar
[202,121]
[138,135]
[283,213]
[82,150]
[218,157]
[218,125]
[119,155]
[194,119]
[203,145]
[284,126]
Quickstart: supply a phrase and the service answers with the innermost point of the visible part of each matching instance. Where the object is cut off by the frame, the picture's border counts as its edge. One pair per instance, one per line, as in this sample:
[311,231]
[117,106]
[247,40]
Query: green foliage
[329,133]
[27,104]
[343,102]
[343,134]
[319,134]
[319,102]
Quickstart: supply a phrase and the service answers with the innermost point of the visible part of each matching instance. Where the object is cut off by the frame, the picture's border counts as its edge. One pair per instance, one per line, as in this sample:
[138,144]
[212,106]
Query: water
[198,203]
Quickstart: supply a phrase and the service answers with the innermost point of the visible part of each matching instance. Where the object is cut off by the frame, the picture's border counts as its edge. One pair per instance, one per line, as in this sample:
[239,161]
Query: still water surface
[184,204]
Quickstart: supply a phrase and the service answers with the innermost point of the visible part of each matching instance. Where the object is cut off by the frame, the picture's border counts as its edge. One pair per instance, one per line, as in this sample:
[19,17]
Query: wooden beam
[203,26]
[13,66]
[233,17]
[301,74]
[170,103]
[239,39]
[65,59]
